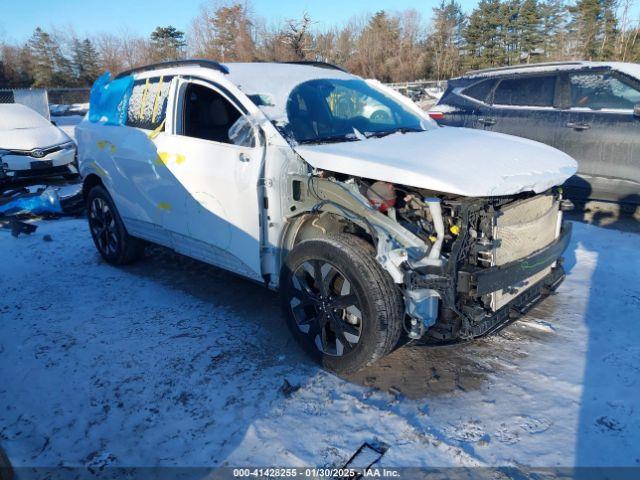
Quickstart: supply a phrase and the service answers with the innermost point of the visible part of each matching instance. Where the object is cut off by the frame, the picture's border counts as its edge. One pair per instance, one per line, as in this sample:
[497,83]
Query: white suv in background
[367,224]
[32,147]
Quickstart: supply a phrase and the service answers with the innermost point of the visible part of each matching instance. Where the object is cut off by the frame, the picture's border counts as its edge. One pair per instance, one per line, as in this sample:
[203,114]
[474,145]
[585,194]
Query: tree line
[390,46]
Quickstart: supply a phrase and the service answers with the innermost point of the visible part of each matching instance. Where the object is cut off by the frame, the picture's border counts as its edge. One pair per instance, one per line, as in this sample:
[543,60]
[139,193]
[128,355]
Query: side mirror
[244,132]
[636,110]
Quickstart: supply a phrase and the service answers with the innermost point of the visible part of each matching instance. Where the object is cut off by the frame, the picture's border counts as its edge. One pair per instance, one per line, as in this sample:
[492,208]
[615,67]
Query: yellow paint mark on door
[165,158]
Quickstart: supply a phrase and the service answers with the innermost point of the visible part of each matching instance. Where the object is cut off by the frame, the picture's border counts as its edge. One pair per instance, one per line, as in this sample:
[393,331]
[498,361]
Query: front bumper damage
[460,290]
[479,281]
[448,298]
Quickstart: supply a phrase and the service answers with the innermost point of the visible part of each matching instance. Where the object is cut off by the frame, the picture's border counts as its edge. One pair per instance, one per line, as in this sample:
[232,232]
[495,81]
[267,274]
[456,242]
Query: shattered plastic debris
[365,457]
[46,202]
[17,227]
[50,200]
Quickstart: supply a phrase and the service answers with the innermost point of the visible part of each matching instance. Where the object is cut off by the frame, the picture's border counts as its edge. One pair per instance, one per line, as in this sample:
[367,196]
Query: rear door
[600,131]
[524,106]
[139,186]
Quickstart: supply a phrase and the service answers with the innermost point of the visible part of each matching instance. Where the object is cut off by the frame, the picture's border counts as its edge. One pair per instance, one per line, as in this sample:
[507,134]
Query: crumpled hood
[30,138]
[460,161]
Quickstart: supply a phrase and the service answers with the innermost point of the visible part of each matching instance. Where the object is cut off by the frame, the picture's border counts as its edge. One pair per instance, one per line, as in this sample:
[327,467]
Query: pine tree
[445,42]
[42,66]
[92,68]
[510,31]
[49,66]
[167,43]
[484,35]
[553,17]
[609,30]
[529,28]
[595,25]
[84,62]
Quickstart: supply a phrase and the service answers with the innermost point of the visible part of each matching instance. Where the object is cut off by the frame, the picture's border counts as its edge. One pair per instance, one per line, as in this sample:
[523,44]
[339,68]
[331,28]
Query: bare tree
[297,37]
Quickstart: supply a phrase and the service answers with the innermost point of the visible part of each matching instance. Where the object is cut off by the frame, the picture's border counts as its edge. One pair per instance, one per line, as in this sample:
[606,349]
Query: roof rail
[313,63]
[524,66]
[196,62]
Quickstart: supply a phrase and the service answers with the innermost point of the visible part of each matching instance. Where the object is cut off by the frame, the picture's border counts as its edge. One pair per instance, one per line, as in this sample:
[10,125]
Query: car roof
[631,69]
[272,81]
[180,65]
[276,81]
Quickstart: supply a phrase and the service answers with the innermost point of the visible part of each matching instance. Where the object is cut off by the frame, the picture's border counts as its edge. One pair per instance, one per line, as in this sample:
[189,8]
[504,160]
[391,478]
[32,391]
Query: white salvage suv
[367,224]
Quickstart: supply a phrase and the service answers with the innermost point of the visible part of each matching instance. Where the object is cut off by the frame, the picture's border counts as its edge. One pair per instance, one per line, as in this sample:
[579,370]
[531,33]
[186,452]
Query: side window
[526,92]
[480,91]
[602,90]
[207,114]
[148,103]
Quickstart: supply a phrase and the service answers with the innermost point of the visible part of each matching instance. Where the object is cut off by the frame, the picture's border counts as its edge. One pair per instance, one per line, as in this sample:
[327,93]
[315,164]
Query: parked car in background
[367,224]
[590,110]
[32,147]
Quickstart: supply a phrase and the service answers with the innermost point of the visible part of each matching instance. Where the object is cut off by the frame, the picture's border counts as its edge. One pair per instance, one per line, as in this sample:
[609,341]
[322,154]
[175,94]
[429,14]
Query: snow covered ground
[171,362]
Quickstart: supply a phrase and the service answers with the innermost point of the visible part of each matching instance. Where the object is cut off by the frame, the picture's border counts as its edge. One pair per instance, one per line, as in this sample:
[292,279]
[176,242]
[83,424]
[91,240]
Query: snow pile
[171,362]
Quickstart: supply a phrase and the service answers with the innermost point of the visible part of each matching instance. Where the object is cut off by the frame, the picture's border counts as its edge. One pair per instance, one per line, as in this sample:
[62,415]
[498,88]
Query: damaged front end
[466,266]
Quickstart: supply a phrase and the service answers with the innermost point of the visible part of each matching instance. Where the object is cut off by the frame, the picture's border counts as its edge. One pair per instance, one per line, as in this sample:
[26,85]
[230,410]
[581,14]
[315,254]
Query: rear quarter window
[536,91]
[480,90]
[148,103]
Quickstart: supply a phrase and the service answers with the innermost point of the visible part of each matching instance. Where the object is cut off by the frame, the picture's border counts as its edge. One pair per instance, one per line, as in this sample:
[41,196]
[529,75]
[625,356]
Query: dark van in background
[590,110]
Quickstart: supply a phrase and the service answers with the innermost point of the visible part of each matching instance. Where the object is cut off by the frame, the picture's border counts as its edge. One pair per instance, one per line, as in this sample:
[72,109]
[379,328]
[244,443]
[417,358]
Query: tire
[340,305]
[110,237]
[6,471]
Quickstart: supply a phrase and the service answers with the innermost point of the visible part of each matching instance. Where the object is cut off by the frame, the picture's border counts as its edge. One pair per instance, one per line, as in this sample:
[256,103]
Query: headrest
[218,112]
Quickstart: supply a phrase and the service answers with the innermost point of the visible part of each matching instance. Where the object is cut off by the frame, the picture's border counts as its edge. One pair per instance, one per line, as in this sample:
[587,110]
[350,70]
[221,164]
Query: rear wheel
[113,242]
[340,305]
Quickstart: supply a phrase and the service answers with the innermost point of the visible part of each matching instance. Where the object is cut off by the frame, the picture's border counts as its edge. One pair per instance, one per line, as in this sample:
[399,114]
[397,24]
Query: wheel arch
[314,224]
[89,182]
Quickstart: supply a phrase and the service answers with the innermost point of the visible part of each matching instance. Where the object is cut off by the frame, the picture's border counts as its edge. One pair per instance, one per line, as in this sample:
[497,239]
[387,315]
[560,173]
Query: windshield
[333,110]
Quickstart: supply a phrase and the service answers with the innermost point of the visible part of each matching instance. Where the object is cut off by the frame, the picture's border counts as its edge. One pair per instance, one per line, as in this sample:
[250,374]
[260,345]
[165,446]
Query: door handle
[487,122]
[243,157]
[579,126]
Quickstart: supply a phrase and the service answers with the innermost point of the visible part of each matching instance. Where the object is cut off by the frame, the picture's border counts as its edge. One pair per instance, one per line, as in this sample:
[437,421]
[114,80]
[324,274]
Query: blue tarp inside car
[109,99]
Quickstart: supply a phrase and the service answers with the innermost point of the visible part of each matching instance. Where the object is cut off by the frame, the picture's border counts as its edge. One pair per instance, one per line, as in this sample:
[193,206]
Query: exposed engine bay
[466,265]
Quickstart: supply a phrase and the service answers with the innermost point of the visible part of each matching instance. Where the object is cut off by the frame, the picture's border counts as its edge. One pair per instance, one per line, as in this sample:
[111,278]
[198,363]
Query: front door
[214,208]
[600,131]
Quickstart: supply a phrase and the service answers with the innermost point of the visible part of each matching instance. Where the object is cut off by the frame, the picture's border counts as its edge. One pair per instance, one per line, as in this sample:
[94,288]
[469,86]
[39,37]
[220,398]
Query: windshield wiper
[334,139]
[384,133]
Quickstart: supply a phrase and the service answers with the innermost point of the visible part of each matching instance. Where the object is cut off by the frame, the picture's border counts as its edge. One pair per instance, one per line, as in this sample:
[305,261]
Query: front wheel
[340,304]
[113,242]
